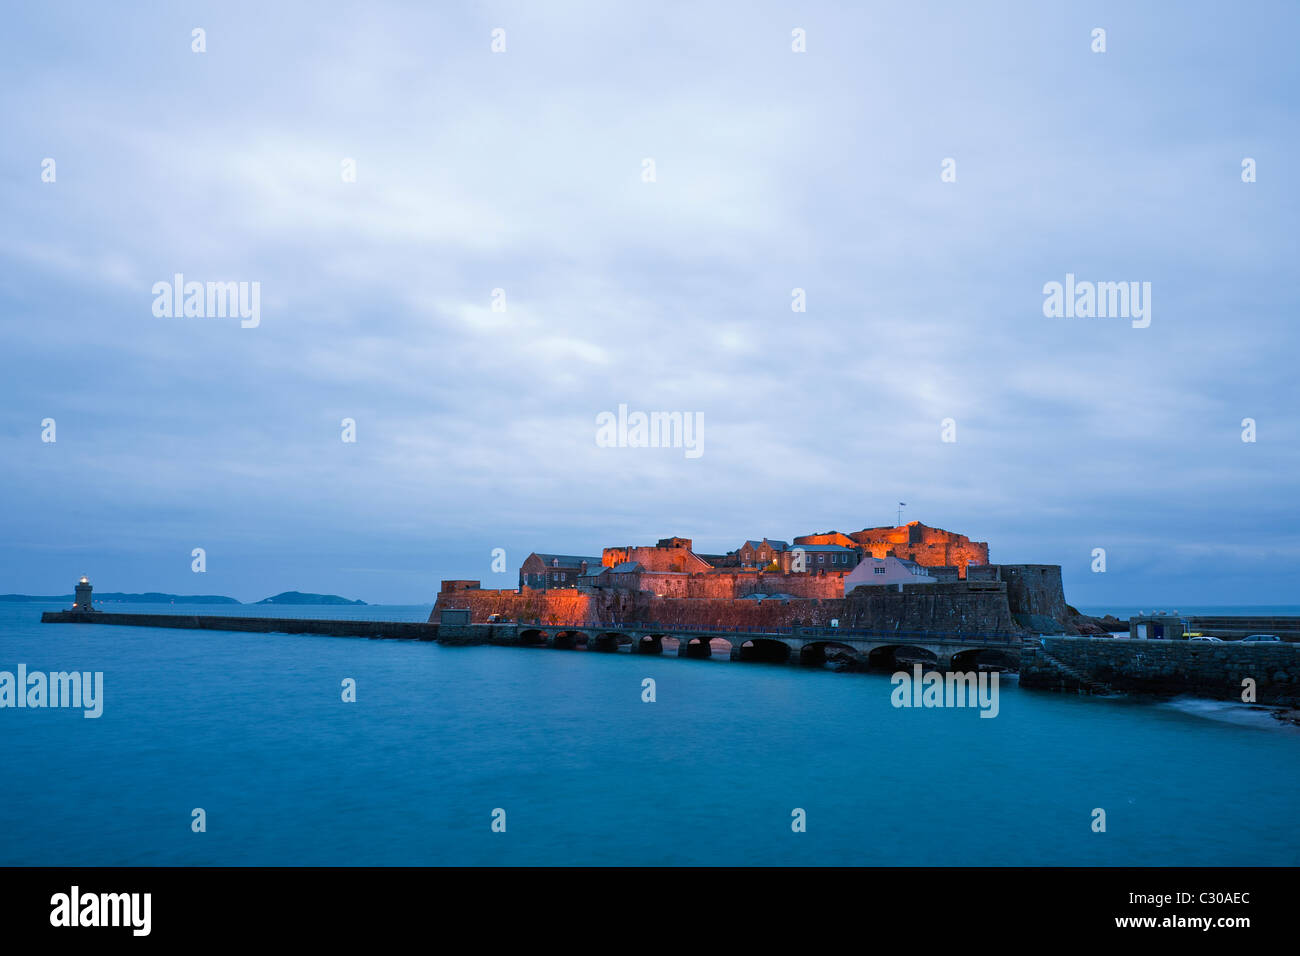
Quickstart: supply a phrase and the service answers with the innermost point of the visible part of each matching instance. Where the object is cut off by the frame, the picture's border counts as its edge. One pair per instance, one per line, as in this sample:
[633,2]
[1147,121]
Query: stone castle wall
[572,606]
[928,547]
[917,608]
[667,558]
[740,584]
[826,537]
[1036,595]
[932,608]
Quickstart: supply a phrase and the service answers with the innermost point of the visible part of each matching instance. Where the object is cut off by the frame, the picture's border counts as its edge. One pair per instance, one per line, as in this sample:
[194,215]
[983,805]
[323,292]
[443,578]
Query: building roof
[773,544]
[823,547]
[627,567]
[567,560]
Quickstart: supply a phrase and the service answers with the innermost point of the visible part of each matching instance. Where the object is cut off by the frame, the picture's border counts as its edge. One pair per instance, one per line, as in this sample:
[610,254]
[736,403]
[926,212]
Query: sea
[493,756]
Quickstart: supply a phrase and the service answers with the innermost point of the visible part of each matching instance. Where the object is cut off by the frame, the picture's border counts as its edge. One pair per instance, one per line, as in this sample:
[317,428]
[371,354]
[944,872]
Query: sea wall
[574,606]
[561,605]
[1164,668]
[275,625]
[959,606]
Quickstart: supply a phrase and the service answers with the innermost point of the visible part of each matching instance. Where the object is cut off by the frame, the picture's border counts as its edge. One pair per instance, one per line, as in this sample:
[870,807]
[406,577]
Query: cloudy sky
[524,171]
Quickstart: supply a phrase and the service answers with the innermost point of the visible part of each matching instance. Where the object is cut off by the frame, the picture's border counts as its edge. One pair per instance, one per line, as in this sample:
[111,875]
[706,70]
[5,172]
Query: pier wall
[274,625]
[1165,668]
[1233,626]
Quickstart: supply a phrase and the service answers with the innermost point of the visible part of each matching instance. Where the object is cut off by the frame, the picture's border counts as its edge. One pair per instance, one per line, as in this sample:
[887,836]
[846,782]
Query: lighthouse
[82,601]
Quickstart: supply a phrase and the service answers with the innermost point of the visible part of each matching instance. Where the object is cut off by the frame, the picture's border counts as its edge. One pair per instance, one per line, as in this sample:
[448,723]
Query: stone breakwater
[406,630]
[1164,668]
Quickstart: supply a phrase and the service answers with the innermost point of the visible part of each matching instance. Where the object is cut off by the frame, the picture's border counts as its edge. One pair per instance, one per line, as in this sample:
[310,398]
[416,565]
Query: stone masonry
[1164,668]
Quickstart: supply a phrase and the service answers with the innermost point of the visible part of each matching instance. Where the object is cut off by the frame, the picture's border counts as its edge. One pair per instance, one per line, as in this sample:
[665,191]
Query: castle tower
[82,601]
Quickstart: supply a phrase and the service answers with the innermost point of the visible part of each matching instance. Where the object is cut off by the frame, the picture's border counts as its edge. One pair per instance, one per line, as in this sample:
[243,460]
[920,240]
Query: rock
[1097,626]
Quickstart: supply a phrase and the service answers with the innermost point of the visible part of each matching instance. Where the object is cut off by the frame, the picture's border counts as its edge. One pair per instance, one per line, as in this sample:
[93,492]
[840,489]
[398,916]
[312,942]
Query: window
[879,570]
[555,576]
[821,559]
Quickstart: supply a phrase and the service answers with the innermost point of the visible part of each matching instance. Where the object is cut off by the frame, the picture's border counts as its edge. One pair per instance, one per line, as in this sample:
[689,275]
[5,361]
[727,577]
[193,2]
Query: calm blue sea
[251,728]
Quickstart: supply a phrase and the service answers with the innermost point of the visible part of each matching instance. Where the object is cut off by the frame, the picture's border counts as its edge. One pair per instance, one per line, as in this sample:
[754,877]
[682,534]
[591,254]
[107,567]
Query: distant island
[118,597]
[156,597]
[298,597]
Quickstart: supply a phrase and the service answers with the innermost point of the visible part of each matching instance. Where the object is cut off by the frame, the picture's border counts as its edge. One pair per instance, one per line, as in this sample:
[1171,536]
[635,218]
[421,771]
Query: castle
[907,577]
[814,566]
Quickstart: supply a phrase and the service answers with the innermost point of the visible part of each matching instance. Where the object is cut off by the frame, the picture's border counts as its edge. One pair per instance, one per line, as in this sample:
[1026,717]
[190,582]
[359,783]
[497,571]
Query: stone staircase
[1087,685]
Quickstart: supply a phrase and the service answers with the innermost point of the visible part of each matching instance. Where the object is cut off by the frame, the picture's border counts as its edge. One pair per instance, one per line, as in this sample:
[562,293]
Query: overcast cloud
[523,171]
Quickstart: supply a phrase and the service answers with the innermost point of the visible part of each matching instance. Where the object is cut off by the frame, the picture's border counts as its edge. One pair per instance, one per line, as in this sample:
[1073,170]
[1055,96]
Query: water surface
[251,728]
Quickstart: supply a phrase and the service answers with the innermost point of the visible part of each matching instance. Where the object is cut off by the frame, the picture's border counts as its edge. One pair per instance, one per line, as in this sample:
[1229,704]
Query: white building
[891,570]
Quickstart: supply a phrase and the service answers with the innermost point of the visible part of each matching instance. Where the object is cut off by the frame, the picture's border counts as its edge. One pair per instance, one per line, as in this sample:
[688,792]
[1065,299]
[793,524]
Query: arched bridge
[795,645]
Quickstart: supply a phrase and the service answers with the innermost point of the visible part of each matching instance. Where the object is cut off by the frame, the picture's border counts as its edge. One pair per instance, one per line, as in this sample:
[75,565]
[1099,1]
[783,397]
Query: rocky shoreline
[1288,715]
[1097,626]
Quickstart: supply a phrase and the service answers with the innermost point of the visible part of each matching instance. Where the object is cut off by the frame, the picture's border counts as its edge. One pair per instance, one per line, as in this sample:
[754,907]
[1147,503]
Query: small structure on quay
[1157,626]
[82,600]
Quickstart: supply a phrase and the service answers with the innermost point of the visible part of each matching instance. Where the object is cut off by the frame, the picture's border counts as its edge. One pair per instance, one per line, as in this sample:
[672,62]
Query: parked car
[1205,637]
[1262,638]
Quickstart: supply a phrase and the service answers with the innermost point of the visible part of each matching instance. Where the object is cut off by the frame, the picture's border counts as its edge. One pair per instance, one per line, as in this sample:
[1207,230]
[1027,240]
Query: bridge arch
[895,657]
[816,653]
[533,637]
[608,641]
[766,650]
[649,644]
[568,639]
[984,658]
[696,648]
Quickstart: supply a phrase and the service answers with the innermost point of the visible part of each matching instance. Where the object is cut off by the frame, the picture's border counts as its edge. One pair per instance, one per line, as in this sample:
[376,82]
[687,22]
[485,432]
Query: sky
[525,171]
